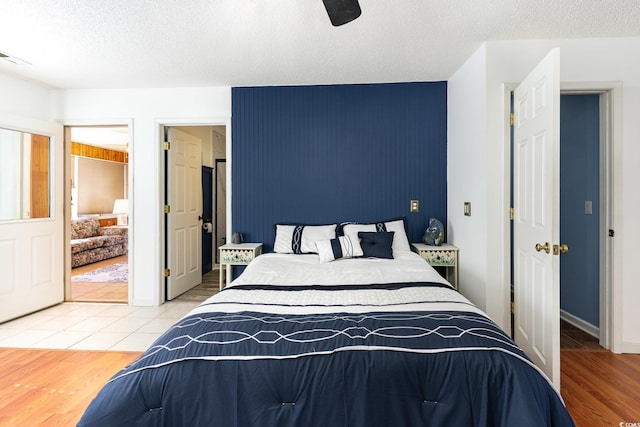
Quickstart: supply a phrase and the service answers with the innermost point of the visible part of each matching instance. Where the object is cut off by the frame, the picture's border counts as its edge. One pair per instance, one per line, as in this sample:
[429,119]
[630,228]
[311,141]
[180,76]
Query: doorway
[586,212]
[99,205]
[178,260]
[580,209]
[607,99]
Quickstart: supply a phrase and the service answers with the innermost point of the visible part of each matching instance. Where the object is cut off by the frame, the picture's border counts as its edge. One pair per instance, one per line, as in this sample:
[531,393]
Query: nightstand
[445,256]
[237,254]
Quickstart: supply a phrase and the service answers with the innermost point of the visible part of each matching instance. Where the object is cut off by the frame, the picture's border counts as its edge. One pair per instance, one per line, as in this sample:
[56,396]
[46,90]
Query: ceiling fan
[342,11]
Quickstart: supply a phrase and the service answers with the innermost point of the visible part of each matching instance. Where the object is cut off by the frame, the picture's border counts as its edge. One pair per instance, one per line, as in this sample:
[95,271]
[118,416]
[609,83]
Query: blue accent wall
[324,154]
[579,182]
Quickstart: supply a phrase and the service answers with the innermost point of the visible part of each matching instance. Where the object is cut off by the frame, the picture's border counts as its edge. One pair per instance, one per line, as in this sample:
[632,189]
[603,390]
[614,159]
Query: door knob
[560,248]
[546,247]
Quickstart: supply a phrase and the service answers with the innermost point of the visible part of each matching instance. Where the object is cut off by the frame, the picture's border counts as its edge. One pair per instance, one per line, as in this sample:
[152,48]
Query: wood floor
[53,387]
[599,388]
[572,338]
[99,292]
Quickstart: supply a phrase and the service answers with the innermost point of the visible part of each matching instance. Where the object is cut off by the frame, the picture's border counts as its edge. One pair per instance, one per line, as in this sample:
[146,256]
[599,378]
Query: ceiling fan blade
[342,11]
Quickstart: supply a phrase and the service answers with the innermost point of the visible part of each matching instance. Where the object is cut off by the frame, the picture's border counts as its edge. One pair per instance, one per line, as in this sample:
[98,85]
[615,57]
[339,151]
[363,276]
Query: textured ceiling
[178,43]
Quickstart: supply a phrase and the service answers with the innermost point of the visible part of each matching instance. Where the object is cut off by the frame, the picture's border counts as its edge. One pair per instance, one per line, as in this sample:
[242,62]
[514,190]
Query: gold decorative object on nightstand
[236,254]
[445,255]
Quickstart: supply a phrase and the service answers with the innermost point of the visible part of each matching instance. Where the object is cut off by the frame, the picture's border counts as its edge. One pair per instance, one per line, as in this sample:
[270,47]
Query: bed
[297,340]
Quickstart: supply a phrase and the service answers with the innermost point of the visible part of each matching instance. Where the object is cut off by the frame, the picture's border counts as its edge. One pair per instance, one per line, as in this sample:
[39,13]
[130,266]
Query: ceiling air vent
[13,59]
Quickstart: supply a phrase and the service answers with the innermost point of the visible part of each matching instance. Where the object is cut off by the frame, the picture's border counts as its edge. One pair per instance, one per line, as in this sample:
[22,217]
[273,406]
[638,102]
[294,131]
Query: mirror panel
[25,178]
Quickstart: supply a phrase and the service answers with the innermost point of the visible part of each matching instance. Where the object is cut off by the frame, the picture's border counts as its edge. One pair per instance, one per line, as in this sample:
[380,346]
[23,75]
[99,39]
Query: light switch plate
[414,206]
[588,207]
[467,208]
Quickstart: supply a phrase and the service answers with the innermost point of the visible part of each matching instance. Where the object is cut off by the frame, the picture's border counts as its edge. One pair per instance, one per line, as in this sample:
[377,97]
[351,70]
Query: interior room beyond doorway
[99,226]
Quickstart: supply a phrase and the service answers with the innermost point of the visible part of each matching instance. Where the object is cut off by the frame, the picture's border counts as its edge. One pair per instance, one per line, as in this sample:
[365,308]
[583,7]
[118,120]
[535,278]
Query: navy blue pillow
[376,244]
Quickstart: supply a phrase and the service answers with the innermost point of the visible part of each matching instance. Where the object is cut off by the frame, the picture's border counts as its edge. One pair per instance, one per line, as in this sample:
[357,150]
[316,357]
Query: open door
[537,215]
[184,236]
[31,216]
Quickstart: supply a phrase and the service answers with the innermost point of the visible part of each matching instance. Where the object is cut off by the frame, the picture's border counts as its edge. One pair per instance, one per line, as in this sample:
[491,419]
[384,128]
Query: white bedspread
[285,269]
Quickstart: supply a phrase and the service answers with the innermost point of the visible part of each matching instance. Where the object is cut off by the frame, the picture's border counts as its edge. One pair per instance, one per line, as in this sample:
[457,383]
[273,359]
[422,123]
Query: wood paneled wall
[322,154]
[78,149]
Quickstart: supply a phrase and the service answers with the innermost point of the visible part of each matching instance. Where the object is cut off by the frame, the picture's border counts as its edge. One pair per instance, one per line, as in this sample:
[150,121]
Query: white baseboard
[630,347]
[580,324]
[143,302]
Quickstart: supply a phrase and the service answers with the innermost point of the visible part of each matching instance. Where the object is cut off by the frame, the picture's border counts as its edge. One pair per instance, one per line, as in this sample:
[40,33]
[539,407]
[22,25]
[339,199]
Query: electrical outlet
[414,206]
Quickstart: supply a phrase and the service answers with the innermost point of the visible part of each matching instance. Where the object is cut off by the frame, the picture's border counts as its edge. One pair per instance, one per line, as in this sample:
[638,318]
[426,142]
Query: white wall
[583,60]
[466,127]
[22,98]
[99,184]
[146,109]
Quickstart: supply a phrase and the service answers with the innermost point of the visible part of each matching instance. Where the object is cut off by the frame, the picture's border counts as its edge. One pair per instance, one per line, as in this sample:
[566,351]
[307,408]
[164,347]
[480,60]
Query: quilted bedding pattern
[397,354]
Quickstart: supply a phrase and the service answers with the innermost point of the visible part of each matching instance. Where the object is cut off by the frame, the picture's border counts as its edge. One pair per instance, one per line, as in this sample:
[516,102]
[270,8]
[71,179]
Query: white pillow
[400,240]
[301,239]
[342,247]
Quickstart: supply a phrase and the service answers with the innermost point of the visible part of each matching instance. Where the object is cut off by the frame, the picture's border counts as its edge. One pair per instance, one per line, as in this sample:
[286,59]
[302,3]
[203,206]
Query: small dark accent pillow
[376,244]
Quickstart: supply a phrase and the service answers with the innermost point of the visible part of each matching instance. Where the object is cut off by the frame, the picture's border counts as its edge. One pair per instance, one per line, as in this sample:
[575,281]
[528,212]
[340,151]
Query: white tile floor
[93,326]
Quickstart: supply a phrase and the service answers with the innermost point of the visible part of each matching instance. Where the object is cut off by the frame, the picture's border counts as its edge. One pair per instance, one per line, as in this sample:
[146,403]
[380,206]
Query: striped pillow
[342,247]
[301,239]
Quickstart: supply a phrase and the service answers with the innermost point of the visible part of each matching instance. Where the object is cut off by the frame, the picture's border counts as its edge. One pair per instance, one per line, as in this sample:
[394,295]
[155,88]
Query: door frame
[67,124]
[160,128]
[215,207]
[610,211]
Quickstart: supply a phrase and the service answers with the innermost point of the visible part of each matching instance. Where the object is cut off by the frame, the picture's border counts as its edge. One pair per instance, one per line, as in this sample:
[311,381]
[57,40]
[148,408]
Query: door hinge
[512,214]
[167,209]
[166,146]
[612,233]
[513,308]
[512,119]
[167,272]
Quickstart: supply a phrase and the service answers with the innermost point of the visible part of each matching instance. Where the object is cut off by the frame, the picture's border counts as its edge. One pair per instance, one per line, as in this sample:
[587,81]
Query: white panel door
[185,200]
[32,250]
[537,215]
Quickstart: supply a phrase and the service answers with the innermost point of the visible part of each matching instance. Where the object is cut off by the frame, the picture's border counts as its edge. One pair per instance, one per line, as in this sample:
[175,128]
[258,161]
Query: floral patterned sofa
[92,243]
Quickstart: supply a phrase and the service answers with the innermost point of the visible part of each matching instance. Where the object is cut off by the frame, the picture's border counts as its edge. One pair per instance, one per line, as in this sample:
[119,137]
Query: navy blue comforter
[316,364]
